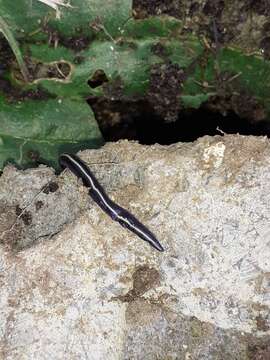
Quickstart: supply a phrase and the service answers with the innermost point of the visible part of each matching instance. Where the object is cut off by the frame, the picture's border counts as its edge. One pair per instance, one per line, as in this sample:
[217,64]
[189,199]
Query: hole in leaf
[57,70]
[99,77]
[60,70]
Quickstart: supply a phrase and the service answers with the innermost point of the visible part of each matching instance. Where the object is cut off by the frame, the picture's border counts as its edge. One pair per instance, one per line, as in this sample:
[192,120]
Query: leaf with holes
[116,53]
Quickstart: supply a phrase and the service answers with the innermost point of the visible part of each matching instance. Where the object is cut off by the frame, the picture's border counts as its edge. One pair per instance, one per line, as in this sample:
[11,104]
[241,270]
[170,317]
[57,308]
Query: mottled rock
[76,285]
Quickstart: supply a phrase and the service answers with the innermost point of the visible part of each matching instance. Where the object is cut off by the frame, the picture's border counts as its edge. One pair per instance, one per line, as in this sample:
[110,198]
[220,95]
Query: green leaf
[194,101]
[38,131]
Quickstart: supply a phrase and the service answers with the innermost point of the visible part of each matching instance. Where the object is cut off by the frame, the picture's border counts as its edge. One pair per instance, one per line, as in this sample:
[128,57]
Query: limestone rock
[76,285]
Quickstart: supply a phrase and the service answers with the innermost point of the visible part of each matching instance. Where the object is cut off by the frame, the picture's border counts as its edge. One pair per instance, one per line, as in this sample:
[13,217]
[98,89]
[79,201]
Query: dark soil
[164,90]
[142,8]
[159,116]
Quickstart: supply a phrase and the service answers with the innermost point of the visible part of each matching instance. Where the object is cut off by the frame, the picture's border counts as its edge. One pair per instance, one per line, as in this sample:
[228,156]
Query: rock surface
[76,285]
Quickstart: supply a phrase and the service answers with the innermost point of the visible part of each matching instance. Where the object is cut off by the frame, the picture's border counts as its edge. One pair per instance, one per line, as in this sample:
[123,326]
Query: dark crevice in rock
[137,120]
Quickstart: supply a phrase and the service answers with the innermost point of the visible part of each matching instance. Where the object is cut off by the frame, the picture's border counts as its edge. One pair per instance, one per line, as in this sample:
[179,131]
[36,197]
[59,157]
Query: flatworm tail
[130,222]
[116,212]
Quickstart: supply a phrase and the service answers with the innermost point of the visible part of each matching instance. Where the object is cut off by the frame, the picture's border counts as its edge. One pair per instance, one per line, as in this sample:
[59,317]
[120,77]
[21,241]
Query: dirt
[260,7]
[39,204]
[259,351]
[143,9]
[218,21]
[77,43]
[10,228]
[265,45]
[165,90]
[160,50]
[98,78]
[144,279]
[51,187]
[6,55]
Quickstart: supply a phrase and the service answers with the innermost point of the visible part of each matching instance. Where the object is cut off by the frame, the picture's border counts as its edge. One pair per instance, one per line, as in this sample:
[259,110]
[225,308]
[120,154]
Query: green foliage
[64,53]
[29,132]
